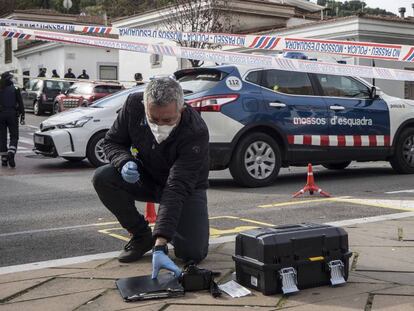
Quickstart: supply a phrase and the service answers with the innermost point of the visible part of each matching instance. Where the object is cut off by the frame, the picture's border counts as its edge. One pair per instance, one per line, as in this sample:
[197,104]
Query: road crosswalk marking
[25,144]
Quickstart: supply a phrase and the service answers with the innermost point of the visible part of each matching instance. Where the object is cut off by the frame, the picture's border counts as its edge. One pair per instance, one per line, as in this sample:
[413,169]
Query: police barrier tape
[70,80]
[222,57]
[334,47]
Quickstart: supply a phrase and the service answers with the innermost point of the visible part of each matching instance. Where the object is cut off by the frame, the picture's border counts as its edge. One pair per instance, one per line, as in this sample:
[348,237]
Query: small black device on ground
[288,258]
[194,278]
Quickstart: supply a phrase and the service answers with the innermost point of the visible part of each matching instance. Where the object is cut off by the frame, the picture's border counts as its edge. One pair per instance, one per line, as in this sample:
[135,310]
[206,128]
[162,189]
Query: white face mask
[160,132]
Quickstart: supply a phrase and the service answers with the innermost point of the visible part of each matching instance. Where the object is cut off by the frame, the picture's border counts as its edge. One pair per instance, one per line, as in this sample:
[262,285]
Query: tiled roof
[54,16]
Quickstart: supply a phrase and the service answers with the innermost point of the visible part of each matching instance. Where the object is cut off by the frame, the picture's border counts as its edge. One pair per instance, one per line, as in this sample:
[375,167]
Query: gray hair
[162,92]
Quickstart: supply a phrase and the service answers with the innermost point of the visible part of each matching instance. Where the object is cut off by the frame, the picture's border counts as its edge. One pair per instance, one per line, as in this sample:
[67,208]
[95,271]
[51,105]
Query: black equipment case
[288,258]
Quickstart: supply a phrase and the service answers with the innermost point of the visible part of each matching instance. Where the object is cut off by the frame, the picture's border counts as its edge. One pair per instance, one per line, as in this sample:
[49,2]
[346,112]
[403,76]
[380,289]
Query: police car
[263,119]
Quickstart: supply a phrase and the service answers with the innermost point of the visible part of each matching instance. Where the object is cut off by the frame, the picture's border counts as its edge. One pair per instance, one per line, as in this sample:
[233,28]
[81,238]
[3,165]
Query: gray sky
[390,5]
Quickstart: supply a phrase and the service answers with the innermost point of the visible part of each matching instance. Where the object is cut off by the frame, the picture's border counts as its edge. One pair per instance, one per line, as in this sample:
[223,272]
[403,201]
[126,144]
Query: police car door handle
[277,105]
[337,108]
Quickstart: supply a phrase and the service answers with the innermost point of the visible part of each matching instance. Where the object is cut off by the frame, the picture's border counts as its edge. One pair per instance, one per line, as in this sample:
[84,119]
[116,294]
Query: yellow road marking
[256,222]
[370,203]
[223,217]
[300,202]
[114,235]
[214,232]
[105,223]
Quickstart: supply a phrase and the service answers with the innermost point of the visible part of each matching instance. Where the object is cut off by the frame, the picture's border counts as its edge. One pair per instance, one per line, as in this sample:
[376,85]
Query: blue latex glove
[161,261]
[130,172]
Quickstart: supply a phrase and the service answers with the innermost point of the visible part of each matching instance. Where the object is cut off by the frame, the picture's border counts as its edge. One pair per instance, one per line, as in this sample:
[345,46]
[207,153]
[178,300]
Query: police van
[261,120]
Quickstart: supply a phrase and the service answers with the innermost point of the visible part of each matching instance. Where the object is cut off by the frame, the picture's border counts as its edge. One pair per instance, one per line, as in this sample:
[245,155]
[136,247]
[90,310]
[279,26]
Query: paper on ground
[235,290]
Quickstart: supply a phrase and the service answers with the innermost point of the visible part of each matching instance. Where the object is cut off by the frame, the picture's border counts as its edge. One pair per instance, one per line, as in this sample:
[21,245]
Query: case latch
[289,280]
[337,272]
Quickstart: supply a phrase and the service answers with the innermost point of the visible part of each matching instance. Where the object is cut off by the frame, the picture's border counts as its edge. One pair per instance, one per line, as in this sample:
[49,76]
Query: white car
[79,133]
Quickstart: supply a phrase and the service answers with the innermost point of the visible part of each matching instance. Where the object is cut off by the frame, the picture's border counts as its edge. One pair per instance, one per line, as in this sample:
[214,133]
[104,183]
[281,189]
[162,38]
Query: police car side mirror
[374,93]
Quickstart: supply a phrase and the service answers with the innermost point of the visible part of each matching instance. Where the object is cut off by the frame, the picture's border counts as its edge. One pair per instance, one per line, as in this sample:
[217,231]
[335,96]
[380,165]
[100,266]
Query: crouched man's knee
[103,176]
[195,253]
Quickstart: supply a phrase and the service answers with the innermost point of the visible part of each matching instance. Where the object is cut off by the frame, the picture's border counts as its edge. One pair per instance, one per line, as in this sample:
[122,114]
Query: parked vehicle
[82,94]
[78,133]
[262,119]
[39,95]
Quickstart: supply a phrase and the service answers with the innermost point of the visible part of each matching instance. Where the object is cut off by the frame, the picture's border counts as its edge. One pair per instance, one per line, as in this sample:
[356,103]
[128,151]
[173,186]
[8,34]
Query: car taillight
[212,103]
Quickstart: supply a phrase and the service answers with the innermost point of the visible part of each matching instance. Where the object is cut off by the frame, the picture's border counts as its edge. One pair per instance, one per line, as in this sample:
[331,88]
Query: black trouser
[8,120]
[192,233]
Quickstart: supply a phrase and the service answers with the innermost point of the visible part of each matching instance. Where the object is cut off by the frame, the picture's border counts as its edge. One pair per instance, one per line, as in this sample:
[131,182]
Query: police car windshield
[117,99]
[197,82]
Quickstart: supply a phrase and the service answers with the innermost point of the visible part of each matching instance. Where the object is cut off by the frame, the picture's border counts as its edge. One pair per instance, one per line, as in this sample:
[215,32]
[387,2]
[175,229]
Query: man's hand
[160,260]
[22,118]
[130,172]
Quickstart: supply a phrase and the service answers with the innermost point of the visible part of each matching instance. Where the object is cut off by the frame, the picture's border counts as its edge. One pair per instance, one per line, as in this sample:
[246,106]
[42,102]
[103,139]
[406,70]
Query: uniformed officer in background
[11,108]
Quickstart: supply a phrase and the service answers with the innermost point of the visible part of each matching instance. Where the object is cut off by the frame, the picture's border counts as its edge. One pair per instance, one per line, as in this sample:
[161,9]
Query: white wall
[49,59]
[88,58]
[62,57]
[132,62]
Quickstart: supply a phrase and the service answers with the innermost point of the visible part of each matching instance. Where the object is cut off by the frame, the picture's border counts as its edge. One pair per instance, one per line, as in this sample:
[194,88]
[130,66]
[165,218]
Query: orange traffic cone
[311,186]
[150,214]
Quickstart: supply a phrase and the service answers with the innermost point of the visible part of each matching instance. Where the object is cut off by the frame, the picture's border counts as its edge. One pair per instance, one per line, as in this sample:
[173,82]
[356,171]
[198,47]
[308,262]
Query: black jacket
[70,75]
[175,167]
[11,99]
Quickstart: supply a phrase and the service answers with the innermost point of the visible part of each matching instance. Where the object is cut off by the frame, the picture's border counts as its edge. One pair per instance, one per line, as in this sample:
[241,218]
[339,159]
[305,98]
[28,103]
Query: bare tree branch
[198,16]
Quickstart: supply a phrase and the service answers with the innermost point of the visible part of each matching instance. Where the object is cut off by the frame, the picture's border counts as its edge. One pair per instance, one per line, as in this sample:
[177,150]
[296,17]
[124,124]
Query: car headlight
[78,123]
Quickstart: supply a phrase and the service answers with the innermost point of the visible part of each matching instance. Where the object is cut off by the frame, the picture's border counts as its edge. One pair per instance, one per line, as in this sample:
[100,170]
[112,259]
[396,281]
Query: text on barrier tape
[222,57]
[334,47]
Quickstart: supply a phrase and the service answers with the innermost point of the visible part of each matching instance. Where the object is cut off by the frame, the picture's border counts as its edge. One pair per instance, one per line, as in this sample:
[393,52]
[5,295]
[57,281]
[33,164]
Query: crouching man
[170,166]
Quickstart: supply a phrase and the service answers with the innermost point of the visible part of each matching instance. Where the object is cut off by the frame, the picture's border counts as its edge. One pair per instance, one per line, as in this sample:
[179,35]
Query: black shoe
[12,163]
[4,161]
[136,248]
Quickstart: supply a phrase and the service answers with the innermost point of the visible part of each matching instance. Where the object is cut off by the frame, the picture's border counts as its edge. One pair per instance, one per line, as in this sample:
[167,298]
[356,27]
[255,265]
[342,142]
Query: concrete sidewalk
[381,278]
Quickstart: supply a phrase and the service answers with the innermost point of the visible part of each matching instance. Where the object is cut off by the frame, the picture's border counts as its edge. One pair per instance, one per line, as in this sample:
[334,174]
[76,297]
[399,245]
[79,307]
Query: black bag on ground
[288,258]
[194,278]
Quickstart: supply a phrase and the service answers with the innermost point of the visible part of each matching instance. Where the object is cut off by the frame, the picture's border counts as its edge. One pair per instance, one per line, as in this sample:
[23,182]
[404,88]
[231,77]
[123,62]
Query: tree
[348,8]
[7,6]
[209,16]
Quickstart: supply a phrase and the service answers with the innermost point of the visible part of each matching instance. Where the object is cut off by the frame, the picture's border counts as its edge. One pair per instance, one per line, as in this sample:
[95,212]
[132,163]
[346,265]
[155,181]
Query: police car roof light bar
[310,186]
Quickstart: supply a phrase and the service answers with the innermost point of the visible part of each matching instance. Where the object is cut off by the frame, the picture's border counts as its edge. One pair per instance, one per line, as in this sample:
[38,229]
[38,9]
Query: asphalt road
[49,209]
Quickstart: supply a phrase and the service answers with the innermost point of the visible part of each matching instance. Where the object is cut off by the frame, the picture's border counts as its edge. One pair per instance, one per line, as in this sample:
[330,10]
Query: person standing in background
[84,75]
[138,78]
[11,107]
[55,74]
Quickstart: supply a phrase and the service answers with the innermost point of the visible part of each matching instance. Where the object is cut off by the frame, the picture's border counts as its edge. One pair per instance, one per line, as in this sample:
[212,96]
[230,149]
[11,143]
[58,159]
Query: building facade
[392,30]
[24,57]
[247,16]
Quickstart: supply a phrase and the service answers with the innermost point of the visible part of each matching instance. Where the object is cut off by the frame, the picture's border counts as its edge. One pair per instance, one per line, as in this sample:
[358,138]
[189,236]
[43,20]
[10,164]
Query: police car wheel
[256,161]
[337,166]
[95,152]
[403,159]
[75,159]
